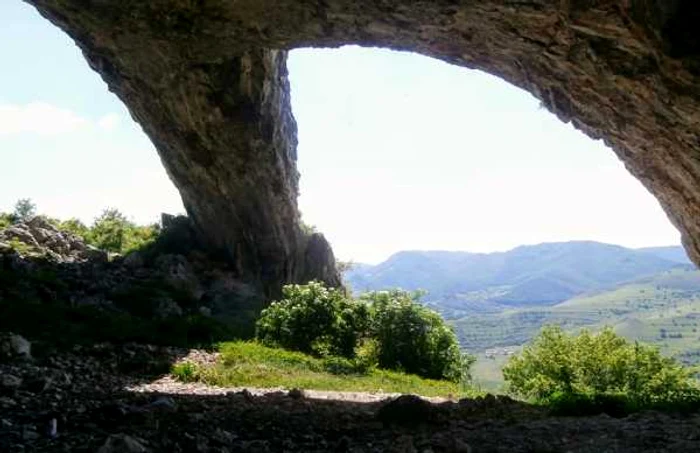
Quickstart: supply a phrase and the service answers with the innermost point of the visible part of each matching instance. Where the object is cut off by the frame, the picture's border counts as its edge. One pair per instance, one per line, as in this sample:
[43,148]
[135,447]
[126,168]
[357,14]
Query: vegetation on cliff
[111,231]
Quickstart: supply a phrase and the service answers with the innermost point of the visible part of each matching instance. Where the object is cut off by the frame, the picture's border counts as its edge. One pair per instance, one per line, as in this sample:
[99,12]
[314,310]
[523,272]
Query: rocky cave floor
[105,398]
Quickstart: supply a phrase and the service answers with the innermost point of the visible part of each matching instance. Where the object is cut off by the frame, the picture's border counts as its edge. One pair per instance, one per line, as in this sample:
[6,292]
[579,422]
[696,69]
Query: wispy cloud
[46,119]
[109,122]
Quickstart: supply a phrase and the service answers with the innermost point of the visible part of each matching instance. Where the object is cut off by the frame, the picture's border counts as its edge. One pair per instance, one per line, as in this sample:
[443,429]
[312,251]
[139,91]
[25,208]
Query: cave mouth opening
[407,162]
[399,151]
[402,199]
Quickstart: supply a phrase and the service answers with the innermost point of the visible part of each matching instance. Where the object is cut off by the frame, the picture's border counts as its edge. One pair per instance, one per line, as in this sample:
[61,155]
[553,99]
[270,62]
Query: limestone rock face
[208,83]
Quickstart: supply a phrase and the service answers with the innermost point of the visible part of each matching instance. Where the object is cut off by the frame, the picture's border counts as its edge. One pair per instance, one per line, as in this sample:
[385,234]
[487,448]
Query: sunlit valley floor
[494,301]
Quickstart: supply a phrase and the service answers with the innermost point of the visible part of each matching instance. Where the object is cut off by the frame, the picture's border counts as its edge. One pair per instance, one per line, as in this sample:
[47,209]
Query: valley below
[498,302]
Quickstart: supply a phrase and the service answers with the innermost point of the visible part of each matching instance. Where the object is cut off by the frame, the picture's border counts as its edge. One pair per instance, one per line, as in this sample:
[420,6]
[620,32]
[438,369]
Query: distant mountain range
[545,274]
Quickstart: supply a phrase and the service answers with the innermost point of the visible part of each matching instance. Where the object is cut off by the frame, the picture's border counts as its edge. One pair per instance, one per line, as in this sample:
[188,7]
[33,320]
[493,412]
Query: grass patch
[249,364]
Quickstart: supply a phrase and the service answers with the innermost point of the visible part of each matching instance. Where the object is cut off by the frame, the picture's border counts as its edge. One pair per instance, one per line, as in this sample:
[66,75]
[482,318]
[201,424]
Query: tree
[74,226]
[25,209]
[415,339]
[315,320]
[557,366]
[109,230]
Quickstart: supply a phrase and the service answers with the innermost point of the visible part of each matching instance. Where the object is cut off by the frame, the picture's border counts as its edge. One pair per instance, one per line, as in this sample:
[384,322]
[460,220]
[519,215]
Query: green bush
[597,371]
[6,220]
[113,232]
[415,339]
[315,320]
[389,330]
[186,371]
[75,227]
[109,231]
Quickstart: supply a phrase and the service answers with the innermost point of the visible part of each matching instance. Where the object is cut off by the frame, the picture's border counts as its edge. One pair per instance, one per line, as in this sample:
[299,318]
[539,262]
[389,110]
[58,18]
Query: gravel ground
[97,399]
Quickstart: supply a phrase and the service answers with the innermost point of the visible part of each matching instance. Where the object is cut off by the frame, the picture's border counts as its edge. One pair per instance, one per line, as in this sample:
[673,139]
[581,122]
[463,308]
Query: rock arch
[206,79]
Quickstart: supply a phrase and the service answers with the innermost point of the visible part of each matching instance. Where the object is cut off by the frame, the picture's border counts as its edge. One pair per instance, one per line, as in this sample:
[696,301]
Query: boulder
[5,248]
[93,254]
[134,260]
[165,307]
[407,410]
[13,347]
[19,233]
[10,382]
[178,273]
[122,443]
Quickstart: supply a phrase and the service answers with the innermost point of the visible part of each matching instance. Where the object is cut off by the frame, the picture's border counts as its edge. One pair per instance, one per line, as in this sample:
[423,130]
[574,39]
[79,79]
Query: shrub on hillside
[75,227]
[6,220]
[591,371]
[390,330]
[113,232]
[412,338]
[315,320]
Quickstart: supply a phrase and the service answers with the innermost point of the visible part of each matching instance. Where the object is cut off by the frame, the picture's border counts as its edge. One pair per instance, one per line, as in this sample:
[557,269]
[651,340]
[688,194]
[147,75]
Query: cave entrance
[209,88]
[208,84]
[398,151]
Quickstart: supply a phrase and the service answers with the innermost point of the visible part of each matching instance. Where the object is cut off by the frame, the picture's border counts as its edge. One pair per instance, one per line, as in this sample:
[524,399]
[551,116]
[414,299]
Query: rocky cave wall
[207,81]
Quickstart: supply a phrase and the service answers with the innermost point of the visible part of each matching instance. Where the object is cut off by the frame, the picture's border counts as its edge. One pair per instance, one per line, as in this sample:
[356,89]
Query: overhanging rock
[207,81]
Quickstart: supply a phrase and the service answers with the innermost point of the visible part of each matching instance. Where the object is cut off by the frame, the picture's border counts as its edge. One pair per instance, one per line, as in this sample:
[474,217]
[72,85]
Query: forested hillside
[458,283]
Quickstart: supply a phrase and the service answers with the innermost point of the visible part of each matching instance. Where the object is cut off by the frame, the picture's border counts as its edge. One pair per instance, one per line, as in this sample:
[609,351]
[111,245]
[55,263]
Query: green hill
[669,300]
[460,283]
[663,310]
[671,253]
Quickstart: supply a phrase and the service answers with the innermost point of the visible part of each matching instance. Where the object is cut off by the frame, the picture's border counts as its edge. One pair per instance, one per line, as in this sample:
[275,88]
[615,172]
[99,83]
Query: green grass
[487,372]
[249,364]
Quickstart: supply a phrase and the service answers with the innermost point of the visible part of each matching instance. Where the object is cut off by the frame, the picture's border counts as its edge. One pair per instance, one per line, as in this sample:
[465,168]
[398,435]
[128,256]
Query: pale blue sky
[396,151]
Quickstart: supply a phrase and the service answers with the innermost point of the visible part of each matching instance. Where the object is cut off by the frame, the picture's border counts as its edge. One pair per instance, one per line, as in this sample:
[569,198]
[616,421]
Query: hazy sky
[396,151]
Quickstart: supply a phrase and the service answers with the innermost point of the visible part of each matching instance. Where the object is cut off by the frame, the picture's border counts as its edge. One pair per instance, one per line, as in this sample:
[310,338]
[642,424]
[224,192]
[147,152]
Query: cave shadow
[105,403]
[169,292]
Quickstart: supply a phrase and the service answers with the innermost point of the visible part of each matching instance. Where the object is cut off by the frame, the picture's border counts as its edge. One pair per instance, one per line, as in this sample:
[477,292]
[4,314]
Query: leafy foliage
[315,320]
[251,364]
[75,227]
[590,370]
[25,209]
[6,220]
[20,247]
[415,339]
[113,232]
[391,330]
[186,371]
